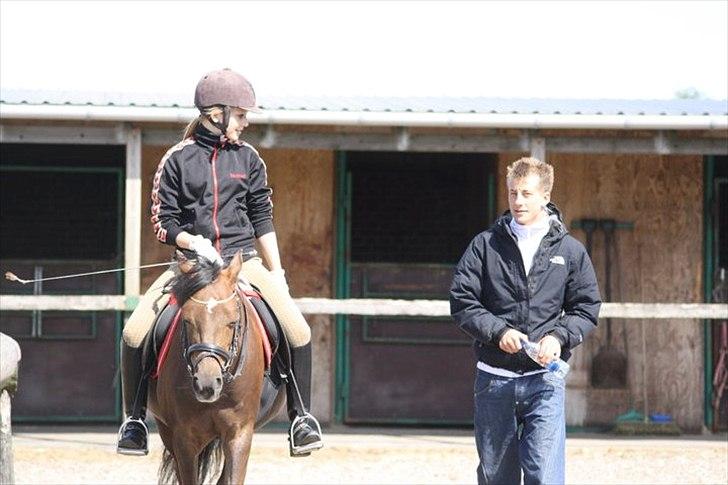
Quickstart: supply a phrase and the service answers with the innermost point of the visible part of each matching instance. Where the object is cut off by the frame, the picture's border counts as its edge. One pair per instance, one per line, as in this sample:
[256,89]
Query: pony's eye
[232,324]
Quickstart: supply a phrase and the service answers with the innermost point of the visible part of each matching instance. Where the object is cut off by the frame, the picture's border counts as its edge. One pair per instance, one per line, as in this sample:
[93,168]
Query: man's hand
[549,349]
[510,342]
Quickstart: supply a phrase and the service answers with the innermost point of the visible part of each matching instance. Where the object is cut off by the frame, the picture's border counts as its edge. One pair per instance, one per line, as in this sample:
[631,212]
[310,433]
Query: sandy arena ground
[65,455]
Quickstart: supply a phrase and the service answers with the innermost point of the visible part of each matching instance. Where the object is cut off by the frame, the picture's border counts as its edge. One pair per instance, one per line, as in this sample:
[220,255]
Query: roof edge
[370,118]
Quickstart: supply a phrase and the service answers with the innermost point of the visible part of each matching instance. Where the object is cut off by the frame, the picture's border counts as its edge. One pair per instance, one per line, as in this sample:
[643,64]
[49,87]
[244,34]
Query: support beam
[665,142]
[269,138]
[71,135]
[7,472]
[538,148]
[132,212]
[403,139]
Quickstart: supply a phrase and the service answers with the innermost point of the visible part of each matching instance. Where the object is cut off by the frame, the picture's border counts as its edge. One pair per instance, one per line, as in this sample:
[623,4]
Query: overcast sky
[614,49]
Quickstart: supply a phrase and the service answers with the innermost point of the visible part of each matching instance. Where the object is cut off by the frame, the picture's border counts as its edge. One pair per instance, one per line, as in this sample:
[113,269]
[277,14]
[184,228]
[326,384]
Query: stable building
[376,198]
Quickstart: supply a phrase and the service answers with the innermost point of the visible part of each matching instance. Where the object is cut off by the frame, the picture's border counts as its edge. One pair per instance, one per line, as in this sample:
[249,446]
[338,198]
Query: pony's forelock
[184,285]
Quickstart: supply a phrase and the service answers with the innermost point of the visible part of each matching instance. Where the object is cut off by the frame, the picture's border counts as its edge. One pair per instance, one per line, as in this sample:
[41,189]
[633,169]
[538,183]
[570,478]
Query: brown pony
[206,399]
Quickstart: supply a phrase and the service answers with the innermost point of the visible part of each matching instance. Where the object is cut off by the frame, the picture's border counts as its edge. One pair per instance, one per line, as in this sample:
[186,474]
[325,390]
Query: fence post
[9,358]
[6,441]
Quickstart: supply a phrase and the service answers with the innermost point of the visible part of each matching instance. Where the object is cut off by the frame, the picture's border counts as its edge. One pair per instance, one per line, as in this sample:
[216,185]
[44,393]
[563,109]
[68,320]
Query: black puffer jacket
[215,189]
[491,293]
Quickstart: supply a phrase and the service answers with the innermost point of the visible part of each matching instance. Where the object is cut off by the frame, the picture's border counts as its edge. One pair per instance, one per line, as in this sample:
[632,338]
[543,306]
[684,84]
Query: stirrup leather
[129,451]
[304,450]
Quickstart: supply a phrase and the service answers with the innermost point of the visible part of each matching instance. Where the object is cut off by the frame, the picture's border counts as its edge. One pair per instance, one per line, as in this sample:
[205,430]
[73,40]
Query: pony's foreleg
[237,450]
[186,459]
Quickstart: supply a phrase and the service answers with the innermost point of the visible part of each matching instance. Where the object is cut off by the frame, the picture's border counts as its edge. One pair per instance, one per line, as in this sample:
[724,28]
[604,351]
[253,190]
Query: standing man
[523,278]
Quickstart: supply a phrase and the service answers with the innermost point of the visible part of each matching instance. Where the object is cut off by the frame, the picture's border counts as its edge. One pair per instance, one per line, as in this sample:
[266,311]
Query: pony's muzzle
[207,382]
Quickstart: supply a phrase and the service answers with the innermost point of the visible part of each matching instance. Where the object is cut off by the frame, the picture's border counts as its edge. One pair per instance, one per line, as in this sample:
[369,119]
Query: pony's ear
[234,267]
[184,264]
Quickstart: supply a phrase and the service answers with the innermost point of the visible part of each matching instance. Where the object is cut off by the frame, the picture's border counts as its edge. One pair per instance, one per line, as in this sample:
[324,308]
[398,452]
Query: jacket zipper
[522,268]
[215,199]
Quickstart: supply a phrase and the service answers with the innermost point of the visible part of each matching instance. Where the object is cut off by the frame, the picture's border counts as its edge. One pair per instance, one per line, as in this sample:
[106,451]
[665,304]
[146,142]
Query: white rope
[12,277]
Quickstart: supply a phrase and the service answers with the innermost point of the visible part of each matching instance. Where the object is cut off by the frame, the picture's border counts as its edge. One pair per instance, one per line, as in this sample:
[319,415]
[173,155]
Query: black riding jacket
[491,292]
[213,188]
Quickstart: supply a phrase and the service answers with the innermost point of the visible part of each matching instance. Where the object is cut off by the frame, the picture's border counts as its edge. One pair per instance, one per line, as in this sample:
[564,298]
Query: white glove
[203,248]
[280,276]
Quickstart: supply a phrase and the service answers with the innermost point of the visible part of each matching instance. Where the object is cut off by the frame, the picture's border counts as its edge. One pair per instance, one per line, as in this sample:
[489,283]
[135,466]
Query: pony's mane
[184,285]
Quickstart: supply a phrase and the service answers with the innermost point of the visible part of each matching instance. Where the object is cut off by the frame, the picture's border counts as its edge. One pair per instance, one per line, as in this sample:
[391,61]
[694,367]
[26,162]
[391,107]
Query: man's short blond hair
[523,167]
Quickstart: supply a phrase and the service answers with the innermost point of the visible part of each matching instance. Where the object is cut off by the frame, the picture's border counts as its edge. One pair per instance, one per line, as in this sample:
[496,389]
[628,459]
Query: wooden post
[10,353]
[538,148]
[133,204]
[6,440]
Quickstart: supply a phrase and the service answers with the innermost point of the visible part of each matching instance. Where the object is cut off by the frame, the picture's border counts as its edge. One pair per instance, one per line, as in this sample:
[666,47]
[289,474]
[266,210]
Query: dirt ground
[76,455]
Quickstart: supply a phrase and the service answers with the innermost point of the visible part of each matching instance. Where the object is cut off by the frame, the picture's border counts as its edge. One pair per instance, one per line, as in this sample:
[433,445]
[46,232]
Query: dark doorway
[719,293]
[412,215]
[61,213]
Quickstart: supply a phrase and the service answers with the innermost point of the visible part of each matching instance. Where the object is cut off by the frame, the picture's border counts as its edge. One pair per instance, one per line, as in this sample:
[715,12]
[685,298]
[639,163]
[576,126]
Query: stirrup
[131,451]
[305,450]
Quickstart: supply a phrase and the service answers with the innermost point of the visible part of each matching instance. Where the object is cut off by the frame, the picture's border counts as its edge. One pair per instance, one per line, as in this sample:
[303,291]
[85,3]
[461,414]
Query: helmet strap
[225,119]
[222,126]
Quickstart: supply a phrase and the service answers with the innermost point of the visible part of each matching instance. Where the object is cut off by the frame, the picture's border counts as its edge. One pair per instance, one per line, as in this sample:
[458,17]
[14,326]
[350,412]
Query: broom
[635,423]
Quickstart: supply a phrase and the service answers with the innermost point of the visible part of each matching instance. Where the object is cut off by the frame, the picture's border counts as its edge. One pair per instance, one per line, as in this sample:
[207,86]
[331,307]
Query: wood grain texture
[303,214]
[659,261]
[152,250]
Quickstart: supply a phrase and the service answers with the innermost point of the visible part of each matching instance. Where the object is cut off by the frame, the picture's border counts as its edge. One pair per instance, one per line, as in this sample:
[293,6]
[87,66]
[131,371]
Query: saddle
[274,343]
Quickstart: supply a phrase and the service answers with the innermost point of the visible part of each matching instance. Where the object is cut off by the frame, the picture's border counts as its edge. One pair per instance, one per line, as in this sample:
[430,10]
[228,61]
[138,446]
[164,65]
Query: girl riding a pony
[210,197]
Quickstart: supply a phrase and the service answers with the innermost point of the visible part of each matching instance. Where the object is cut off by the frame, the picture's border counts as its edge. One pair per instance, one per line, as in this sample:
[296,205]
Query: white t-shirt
[529,238]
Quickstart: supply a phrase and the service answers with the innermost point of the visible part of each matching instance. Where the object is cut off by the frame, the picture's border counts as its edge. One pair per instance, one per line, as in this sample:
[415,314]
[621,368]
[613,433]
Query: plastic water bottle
[558,366]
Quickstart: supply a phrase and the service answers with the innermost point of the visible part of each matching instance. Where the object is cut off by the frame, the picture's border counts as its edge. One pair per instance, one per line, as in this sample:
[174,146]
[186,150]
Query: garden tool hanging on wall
[609,366]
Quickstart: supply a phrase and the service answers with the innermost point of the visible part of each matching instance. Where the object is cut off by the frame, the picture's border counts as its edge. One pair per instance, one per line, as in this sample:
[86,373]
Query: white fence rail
[325,306]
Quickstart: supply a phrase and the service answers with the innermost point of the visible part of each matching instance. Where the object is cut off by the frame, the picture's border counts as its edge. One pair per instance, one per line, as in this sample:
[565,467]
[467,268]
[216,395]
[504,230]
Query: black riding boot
[305,431]
[133,432]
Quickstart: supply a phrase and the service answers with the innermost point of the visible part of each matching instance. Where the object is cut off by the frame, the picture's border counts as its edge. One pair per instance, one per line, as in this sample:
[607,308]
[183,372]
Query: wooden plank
[460,142]
[655,261]
[661,143]
[152,250]
[6,440]
[303,214]
[133,206]
[366,306]
[538,148]
[76,135]
[67,302]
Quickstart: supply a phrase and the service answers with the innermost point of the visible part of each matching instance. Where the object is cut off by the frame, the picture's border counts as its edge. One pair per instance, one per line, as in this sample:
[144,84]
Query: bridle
[223,357]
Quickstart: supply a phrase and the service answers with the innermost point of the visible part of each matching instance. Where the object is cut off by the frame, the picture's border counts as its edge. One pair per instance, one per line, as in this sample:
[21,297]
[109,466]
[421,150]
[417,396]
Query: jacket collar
[557,229]
[207,138]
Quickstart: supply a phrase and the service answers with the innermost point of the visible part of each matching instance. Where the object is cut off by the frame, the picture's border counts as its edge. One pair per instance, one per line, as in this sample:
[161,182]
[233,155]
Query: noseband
[203,350]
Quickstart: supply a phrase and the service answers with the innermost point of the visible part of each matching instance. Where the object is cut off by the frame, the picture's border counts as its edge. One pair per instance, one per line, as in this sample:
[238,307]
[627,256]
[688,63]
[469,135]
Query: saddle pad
[267,349]
[164,350]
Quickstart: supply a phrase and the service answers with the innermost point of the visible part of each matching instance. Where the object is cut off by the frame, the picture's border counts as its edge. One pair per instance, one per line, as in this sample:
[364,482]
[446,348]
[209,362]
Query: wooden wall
[660,261]
[303,213]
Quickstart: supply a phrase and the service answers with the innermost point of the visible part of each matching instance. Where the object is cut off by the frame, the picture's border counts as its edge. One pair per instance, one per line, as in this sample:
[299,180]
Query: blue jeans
[520,426]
